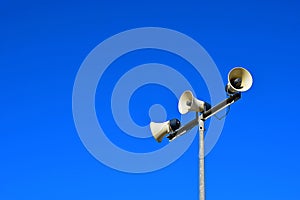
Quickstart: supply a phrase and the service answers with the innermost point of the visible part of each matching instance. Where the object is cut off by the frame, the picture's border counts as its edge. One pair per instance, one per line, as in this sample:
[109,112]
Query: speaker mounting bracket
[204,116]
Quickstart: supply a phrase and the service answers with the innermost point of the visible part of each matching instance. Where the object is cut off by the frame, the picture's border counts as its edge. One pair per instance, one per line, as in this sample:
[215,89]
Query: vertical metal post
[201,160]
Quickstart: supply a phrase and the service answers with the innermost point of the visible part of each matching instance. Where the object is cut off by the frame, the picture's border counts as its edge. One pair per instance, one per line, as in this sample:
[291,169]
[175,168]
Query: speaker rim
[248,78]
[184,109]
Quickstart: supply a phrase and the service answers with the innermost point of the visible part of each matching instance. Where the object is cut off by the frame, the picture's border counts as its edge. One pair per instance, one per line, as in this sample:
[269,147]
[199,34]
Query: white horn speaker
[159,130]
[188,102]
[239,80]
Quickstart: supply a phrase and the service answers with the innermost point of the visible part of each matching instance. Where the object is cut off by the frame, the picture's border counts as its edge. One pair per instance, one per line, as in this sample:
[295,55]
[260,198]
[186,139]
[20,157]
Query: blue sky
[42,47]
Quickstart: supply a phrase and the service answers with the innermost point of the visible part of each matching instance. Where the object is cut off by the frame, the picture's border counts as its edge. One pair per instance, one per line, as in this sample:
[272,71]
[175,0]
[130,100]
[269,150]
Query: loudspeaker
[159,130]
[188,102]
[239,80]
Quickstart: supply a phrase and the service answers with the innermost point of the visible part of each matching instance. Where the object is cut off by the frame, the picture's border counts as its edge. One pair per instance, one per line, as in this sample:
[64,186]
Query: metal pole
[200,121]
[201,160]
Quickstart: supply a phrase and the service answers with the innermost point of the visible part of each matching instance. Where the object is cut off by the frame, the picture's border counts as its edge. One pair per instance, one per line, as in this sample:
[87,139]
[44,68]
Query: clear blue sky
[42,45]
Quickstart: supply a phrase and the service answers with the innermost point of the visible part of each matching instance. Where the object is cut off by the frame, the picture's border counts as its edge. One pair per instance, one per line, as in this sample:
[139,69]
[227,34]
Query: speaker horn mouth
[239,80]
